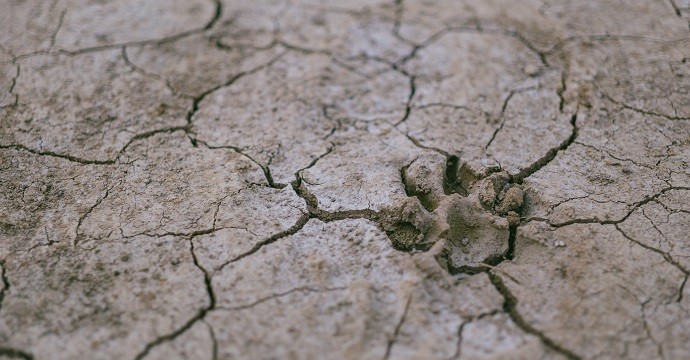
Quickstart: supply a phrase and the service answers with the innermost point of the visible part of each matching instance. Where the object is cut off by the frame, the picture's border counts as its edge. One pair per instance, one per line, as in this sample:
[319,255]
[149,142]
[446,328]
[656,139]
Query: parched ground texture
[305,179]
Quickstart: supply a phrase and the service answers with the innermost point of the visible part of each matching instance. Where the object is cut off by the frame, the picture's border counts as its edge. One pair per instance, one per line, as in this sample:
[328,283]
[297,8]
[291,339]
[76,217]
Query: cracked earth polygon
[370,179]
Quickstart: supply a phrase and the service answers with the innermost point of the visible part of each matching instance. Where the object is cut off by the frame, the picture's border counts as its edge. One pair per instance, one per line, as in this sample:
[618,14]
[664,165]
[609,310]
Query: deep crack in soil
[373,180]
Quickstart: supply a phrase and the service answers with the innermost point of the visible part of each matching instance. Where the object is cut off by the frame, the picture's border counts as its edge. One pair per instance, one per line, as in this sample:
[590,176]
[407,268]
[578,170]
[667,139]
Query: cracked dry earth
[304,179]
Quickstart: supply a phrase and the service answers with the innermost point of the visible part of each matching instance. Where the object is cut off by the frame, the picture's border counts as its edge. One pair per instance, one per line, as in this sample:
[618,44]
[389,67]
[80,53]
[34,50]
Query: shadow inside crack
[457,178]
[473,237]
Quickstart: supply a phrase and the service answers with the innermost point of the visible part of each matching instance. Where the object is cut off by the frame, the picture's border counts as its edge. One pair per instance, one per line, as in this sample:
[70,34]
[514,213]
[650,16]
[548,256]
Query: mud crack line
[510,306]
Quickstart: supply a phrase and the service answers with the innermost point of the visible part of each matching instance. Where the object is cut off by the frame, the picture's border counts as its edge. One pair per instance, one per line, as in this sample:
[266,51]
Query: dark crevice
[329,216]
[264,168]
[464,269]
[75,159]
[527,44]
[682,288]
[603,38]
[297,175]
[561,90]
[550,155]
[450,176]
[12,86]
[199,98]
[595,220]
[643,111]
[409,191]
[13,353]
[77,236]
[61,20]
[146,73]
[57,155]
[501,116]
[510,307]
[87,50]
[279,295]
[608,153]
[408,104]
[476,29]
[148,134]
[457,179]
[403,234]
[5,282]
[645,324]
[49,242]
[269,178]
[397,22]
[488,264]
[196,101]
[398,327]
[180,234]
[675,8]
[458,346]
[214,341]
[309,198]
[665,255]
[299,224]
[216,15]
[512,235]
[429,41]
[198,317]
[418,144]
[493,136]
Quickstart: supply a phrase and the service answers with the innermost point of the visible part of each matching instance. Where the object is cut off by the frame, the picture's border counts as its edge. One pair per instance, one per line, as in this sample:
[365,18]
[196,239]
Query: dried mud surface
[303,179]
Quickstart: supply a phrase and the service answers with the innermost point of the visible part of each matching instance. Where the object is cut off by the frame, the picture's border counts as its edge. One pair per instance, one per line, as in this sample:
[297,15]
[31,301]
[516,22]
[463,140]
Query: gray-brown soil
[366,179]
